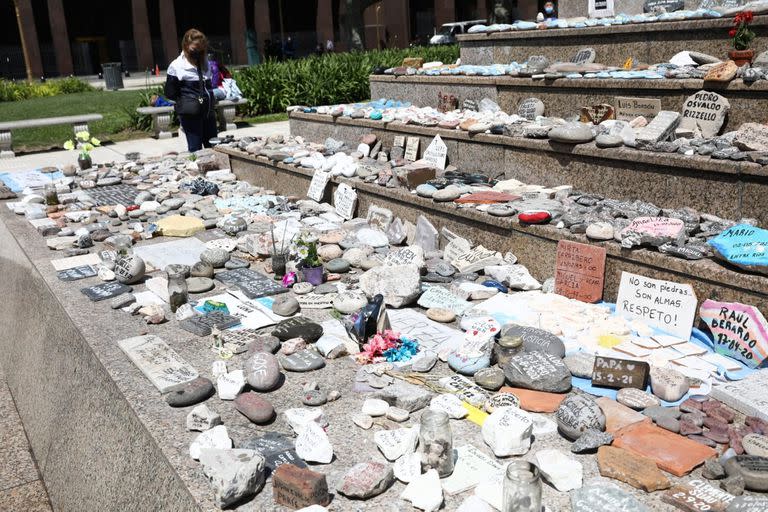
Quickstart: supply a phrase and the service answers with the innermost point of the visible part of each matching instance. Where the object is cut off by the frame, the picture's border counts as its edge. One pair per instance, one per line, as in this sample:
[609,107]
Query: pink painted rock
[655,231]
[739,331]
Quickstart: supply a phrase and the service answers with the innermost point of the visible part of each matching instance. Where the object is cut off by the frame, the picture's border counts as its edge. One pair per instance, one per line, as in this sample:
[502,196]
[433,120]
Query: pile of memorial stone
[654,10]
[684,65]
[646,444]
[694,132]
[635,224]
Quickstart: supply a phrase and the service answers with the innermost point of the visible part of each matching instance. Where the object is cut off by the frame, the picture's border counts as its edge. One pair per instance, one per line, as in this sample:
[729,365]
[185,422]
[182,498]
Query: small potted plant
[742,37]
[84,143]
[310,263]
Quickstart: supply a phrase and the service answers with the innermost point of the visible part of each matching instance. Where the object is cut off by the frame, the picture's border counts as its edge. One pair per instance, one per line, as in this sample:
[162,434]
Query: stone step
[564,97]
[728,189]
[535,246]
[647,42]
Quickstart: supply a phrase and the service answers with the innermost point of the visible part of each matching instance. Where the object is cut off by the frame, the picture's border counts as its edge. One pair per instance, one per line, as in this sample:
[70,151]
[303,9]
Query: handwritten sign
[697,496]
[412,149]
[436,153]
[472,467]
[317,185]
[157,361]
[628,109]
[253,284]
[399,141]
[612,372]
[105,291]
[600,8]
[470,105]
[739,331]
[665,305]
[73,274]
[579,271]
[345,201]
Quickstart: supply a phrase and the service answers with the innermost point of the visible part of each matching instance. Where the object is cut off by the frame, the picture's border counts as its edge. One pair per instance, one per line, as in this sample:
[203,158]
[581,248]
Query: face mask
[195,54]
[549,10]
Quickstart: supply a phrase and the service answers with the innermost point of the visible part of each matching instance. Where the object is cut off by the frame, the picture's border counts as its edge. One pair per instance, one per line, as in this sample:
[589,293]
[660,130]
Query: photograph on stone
[349,255]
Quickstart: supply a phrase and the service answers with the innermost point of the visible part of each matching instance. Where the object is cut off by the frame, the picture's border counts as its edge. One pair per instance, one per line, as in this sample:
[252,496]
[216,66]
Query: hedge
[323,80]
[17,91]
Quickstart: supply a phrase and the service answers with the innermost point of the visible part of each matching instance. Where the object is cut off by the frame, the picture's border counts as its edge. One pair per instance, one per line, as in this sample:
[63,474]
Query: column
[168,30]
[261,23]
[445,12]
[482,9]
[237,31]
[141,37]
[324,23]
[25,18]
[398,22]
[60,37]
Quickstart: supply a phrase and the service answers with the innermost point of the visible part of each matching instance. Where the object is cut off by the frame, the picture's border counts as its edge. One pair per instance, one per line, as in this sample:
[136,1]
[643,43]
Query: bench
[79,123]
[161,117]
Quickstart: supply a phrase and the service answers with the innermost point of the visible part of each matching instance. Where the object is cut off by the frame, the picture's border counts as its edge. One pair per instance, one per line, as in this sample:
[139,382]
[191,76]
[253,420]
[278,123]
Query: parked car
[449,31]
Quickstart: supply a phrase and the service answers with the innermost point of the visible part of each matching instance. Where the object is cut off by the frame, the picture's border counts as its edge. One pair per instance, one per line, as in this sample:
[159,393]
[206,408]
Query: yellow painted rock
[178,225]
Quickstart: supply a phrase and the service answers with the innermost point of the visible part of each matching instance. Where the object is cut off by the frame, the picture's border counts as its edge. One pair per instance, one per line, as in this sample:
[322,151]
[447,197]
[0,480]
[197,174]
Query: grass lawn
[111,104]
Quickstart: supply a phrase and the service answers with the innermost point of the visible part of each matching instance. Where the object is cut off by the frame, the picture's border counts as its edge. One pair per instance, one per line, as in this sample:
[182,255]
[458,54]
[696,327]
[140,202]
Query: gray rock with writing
[233,474]
[577,414]
[405,396]
[590,440]
[538,371]
[536,340]
[262,371]
[660,129]
[399,284]
[302,361]
[668,384]
[705,112]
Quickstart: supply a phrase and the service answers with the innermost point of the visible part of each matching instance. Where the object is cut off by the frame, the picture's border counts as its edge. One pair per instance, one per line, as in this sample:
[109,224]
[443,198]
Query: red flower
[732,32]
[748,16]
[737,19]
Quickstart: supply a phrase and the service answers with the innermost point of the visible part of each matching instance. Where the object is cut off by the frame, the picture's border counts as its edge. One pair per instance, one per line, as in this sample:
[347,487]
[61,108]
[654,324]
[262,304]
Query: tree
[351,22]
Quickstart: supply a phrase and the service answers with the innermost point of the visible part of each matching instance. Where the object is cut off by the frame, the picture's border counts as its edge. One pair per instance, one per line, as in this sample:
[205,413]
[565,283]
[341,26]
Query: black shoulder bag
[189,106]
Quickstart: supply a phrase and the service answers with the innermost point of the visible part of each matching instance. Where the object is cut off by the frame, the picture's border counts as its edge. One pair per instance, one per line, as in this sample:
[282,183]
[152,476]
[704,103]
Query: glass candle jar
[177,290]
[436,442]
[522,487]
[51,195]
[278,264]
[505,348]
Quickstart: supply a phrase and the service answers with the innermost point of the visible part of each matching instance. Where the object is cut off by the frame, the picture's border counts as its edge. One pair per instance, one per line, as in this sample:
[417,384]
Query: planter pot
[84,162]
[741,57]
[313,275]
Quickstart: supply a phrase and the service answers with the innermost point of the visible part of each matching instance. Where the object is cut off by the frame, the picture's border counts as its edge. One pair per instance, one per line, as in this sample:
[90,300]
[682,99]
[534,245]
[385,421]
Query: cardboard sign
[317,185]
[697,496]
[580,271]
[665,305]
[345,201]
[412,149]
[611,372]
[436,153]
[629,108]
[739,331]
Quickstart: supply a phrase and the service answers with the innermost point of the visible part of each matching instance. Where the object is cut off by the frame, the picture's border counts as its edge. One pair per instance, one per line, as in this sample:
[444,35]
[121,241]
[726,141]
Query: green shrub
[141,122]
[17,91]
[324,80]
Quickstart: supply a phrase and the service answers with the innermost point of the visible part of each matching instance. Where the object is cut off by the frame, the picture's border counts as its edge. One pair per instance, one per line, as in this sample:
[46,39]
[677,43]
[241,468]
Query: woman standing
[189,85]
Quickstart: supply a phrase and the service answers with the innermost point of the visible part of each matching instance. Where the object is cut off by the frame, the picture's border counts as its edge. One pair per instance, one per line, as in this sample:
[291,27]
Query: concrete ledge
[564,97]
[645,42]
[535,246]
[724,188]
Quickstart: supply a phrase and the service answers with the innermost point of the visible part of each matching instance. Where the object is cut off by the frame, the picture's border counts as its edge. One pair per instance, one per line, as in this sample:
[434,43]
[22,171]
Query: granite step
[725,188]
[564,97]
[534,245]
[647,42]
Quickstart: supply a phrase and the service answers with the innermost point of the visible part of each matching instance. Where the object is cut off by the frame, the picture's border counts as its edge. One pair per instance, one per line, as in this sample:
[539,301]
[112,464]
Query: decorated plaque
[611,372]
[628,109]
[317,185]
[345,201]
[697,496]
[412,149]
[436,153]
[580,271]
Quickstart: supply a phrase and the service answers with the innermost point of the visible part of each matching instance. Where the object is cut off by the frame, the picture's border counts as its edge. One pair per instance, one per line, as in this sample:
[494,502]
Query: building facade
[74,37]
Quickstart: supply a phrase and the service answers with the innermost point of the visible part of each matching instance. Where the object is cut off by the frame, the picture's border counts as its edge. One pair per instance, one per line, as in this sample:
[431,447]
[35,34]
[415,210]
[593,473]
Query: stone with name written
[201,418]
[477,259]
[660,129]
[743,245]
[302,361]
[296,487]
[612,372]
[604,497]
[584,56]
[739,331]
[752,468]
[723,72]
[628,109]
[157,361]
[755,444]
[654,231]
[663,6]
[405,255]
[313,445]
[436,153]
[668,384]
[538,371]
[697,495]
[530,108]
[536,340]
[705,111]
[577,414]
[636,399]
[105,291]
[202,325]
[596,114]
[464,389]
[129,269]
[635,470]
[262,371]
[580,271]
[366,480]
[393,444]
[439,297]
[298,327]
[501,400]
[217,437]
[508,431]
[748,504]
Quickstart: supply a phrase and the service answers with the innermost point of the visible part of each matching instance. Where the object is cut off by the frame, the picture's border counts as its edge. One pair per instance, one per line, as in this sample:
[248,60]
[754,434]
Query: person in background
[550,12]
[329,46]
[289,51]
[189,85]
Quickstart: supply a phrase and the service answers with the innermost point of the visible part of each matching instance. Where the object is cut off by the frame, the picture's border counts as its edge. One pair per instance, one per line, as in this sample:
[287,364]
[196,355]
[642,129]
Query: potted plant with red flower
[742,37]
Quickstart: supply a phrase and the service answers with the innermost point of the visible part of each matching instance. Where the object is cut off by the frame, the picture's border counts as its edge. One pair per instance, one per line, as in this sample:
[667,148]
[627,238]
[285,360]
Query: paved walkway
[21,488]
[118,150]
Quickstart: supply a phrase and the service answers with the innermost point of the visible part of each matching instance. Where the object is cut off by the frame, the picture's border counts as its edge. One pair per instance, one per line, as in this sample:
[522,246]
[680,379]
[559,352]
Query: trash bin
[113,77]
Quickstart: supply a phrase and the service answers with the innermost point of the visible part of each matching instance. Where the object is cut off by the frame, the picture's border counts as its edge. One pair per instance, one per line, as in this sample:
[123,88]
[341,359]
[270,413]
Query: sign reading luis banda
[629,108]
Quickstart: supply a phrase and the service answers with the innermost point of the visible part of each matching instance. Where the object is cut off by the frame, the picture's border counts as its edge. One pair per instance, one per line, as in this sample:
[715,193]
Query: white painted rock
[449,404]
[560,470]
[375,407]
[400,284]
[425,492]
[396,443]
[230,384]
[407,467]
[473,291]
[668,384]
[201,418]
[313,445]
[508,431]
[233,474]
[217,437]
[298,418]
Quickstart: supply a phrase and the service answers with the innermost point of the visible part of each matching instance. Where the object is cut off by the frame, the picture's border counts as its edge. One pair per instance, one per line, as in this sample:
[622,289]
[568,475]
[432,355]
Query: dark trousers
[199,130]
